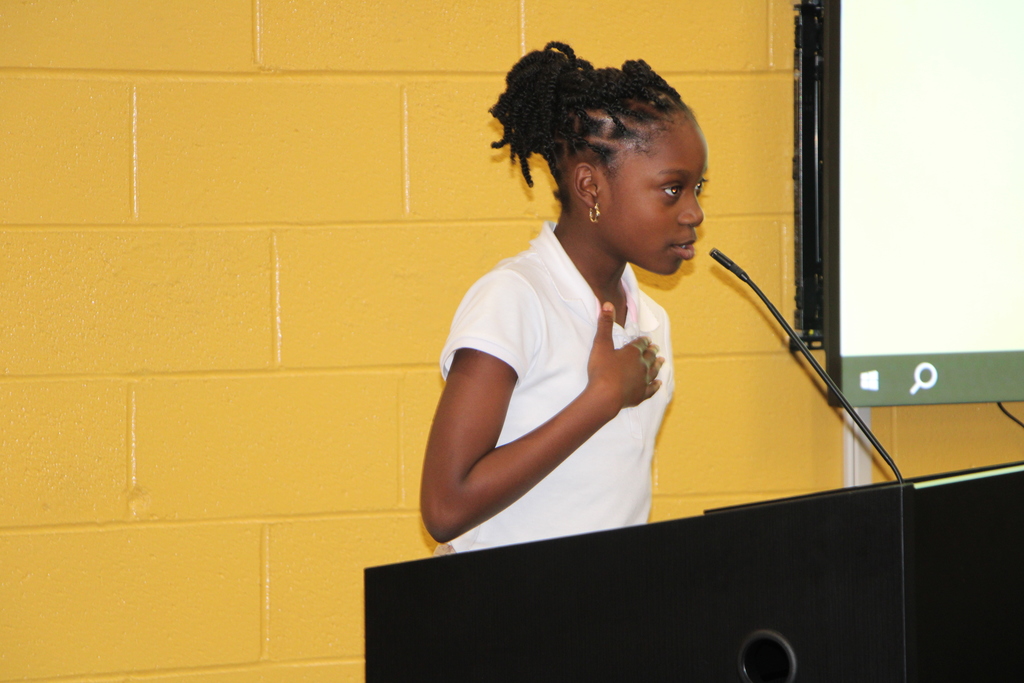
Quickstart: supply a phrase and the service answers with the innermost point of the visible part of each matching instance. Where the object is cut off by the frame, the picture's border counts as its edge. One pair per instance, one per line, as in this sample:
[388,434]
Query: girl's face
[649,207]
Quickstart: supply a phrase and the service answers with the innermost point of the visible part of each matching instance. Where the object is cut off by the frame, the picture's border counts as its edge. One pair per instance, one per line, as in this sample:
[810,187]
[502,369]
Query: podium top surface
[917,483]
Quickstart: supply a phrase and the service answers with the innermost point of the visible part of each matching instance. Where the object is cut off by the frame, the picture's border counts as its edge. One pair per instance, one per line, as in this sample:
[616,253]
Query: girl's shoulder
[502,314]
[520,275]
[509,286]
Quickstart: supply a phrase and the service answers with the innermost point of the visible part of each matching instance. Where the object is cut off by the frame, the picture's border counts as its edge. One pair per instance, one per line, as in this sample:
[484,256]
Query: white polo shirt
[535,312]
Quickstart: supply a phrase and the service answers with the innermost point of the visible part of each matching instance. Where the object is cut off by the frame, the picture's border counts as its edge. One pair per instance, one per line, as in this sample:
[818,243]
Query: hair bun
[550,95]
[554,45]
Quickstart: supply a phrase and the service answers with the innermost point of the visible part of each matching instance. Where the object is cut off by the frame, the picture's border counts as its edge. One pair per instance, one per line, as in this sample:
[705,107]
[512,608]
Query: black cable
[1007,412]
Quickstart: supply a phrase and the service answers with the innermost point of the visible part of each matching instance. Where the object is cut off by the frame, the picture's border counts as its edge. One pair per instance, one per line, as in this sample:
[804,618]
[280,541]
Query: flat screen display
[931,202]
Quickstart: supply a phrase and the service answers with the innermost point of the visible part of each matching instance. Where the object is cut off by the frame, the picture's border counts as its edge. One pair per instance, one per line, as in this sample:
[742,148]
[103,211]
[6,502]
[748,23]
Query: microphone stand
[742,275]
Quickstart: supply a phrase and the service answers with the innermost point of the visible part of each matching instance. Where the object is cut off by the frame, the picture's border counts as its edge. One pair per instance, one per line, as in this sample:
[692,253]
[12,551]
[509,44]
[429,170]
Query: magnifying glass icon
[924,383]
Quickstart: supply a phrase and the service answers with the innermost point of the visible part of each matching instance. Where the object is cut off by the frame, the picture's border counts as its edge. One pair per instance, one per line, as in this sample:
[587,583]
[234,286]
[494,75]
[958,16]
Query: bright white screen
[931,177]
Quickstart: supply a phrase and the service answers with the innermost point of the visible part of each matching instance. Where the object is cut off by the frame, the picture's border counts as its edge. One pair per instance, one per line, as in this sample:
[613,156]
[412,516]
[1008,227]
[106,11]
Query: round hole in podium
[767,657]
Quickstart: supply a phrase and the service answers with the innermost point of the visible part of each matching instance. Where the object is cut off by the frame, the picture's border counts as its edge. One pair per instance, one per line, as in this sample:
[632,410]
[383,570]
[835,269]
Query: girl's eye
[674,191]
[700,187]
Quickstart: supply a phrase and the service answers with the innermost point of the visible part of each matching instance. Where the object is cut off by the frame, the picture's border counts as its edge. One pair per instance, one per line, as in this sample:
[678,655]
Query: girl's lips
[683,251]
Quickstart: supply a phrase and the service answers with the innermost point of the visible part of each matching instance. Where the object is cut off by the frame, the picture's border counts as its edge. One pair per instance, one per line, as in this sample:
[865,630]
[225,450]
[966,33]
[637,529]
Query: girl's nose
[691,213]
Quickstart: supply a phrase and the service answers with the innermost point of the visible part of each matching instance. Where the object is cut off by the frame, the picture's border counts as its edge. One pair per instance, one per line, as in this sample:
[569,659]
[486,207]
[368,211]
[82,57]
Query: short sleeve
[501,316]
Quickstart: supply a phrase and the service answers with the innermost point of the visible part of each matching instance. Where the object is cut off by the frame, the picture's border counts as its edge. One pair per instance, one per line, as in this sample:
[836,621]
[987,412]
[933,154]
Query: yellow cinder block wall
[233,236]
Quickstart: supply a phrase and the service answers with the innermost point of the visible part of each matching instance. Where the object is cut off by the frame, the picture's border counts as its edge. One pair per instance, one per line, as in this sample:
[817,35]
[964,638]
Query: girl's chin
[664,268]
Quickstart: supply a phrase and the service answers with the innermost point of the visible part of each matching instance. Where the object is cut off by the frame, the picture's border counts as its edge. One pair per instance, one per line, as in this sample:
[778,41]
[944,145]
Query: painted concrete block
[63,452]
[712,312]
[754,423]
[729,35]
[185,35]
[66,150]
[453,171]
[782,38]
[413,35]
[291,150]
[748,123]
[316,580]
[92,602]
[946,438]
[419,395]
[134,301]
[385,295]
[268,445]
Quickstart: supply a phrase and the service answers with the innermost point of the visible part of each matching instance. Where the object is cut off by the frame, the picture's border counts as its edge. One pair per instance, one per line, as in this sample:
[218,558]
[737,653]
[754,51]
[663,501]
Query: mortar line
[786,261]
[255,226]
[257,33]
[132,464]
[275,256]
[135,152]
[265,586]
[440,223]
[335,76]
[770,9]
[226,374]
[120,525]
[332,371]
[655,467]
[399,396]
[522,27]
[407,206]
[133,474]
[161,674]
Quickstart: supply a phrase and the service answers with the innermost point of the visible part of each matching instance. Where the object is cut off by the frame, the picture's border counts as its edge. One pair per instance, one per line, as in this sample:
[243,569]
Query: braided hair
[556,104]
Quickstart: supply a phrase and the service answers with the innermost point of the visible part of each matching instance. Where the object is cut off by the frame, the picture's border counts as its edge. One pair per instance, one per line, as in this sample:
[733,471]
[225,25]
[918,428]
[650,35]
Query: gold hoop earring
[595,213]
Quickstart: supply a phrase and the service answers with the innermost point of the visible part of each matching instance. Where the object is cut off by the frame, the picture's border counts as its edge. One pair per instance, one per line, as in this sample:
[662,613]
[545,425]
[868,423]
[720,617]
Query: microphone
[729,265]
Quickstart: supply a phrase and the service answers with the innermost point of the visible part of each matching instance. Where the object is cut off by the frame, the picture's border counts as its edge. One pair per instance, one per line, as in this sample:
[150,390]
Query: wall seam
[241,373]
[265,587]
[399,424]
[522,27]
[131,464]
[162,673]
[328,76]
[119,525]
[787,265]
[135,153]
[277,342]
[257,33]
[439,222]
[406,181]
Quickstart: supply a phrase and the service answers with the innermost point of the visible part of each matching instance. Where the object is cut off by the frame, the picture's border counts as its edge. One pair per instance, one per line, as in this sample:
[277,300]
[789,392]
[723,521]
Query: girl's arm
[466,480]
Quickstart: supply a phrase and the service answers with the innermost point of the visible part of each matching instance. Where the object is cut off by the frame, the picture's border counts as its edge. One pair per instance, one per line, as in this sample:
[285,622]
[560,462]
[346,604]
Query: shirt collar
[575,291]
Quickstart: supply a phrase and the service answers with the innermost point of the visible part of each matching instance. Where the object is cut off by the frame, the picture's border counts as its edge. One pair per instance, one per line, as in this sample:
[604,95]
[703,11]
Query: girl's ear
[585,184]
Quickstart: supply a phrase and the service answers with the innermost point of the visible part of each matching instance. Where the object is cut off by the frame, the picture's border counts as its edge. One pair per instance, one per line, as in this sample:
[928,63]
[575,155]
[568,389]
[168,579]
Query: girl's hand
[621,377]
[468,479]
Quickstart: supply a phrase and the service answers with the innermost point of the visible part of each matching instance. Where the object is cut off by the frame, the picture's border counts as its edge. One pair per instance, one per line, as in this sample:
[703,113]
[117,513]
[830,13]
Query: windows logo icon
[869,380]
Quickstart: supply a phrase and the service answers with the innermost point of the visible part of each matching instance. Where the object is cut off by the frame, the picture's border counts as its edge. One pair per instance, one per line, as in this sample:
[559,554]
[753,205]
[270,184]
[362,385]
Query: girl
[555,387]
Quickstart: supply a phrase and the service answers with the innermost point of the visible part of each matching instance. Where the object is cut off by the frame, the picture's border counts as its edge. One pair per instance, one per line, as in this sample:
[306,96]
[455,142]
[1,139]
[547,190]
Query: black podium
[916,582]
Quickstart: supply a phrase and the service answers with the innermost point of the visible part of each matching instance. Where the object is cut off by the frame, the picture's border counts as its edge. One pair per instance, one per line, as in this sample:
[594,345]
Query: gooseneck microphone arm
[741,274]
